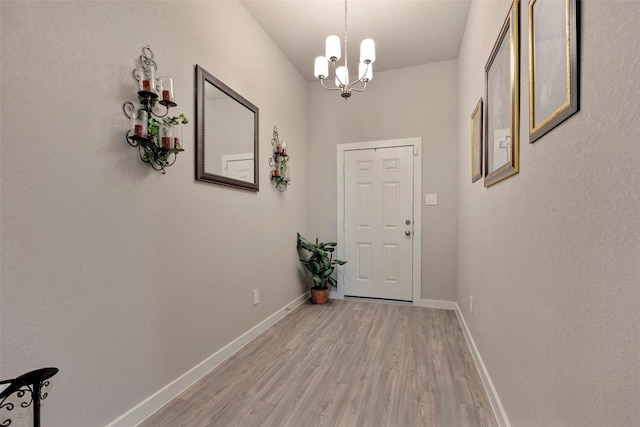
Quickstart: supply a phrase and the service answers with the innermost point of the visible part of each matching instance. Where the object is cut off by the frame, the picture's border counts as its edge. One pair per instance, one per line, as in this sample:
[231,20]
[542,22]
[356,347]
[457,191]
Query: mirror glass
[226,135]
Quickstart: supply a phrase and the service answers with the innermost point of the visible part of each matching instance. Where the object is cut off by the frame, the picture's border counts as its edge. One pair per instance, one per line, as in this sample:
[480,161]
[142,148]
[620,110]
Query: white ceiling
[406,32]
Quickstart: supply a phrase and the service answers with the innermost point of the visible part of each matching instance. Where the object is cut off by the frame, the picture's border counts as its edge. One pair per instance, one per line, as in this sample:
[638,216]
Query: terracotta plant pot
[320,296]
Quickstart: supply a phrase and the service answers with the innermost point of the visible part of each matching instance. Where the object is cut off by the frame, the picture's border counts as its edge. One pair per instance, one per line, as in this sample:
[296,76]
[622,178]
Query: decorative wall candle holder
[146,73]
[279,162]
[139,120]
[166,92]
[157,136]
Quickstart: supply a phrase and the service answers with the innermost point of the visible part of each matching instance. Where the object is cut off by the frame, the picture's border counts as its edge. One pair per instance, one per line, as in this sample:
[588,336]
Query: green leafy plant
[147,65]
[320,262]
[281,164]
[153,152]
[166,122]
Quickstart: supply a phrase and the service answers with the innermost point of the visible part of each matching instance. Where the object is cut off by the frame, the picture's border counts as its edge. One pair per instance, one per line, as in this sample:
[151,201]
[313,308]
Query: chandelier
[332,54]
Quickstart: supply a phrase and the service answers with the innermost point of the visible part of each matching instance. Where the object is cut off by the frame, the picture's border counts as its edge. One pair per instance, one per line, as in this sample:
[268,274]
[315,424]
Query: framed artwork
[502,104]
[553,64]
[476,142]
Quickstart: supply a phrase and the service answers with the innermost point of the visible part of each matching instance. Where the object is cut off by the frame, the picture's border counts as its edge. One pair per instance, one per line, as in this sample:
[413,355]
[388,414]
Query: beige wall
[125,279]
[552,255]
[417,101]
[121,277]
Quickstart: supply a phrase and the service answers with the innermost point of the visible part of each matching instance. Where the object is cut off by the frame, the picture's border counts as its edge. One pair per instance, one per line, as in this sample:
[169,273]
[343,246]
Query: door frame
[416,143]
[226,158]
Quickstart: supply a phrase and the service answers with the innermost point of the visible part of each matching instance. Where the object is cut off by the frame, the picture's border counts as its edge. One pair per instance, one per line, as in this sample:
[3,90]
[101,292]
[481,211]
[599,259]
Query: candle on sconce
[146,78]
[284,147]
[166,89]
[166,140]
[177,135]
[139,123]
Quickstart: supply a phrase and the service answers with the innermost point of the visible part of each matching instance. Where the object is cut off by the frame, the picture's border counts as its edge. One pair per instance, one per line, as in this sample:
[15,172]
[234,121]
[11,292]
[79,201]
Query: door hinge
[415,151]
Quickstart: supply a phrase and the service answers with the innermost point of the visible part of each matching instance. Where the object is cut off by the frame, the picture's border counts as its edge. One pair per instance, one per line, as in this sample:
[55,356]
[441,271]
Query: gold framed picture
[476,142]
[553,64]
[502,104]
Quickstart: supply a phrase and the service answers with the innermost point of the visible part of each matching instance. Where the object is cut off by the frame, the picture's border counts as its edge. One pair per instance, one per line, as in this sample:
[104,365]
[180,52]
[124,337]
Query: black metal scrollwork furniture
[27,390]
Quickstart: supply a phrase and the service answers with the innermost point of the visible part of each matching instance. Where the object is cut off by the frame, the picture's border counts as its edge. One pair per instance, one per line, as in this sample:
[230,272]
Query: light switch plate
[431,199]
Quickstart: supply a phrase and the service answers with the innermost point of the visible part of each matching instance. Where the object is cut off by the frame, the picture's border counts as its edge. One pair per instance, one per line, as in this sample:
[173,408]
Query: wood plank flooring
[343,364]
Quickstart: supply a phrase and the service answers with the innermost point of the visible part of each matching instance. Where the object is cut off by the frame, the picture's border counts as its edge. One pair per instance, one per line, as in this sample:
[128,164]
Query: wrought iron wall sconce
[158,141]
[279,162]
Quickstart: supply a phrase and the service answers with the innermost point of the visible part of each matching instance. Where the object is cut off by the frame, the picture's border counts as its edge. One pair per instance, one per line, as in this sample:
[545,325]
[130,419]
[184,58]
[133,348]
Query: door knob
[407,233]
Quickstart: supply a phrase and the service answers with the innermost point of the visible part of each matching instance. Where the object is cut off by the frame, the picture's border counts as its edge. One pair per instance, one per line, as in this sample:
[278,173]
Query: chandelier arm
[361,79]
[359,90]
[328,88]
[336,74]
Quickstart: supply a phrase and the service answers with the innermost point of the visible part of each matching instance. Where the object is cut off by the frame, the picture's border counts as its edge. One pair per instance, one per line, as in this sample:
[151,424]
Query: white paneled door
[238,166]
[240,169]
[378,221]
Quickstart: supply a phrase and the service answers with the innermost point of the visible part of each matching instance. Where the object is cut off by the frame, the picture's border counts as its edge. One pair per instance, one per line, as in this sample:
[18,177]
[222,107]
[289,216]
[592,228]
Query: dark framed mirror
[226,135]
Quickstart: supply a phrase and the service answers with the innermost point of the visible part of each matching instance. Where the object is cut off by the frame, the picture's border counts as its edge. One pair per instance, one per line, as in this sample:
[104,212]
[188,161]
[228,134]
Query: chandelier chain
[345,35]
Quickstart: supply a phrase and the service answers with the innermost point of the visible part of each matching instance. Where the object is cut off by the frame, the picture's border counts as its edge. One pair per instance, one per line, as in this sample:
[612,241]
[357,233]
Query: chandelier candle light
[332,54]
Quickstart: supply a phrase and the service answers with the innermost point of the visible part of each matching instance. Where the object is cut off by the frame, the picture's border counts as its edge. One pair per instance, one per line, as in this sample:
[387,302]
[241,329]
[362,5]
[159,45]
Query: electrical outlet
[256,296]
[471,304]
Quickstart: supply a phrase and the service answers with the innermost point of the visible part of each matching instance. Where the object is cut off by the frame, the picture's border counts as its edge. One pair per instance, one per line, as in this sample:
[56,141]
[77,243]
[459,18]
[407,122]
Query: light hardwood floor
[344,364]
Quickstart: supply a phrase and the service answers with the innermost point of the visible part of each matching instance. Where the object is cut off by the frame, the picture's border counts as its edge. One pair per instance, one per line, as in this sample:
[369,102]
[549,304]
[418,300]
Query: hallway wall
[552,255]
[410,102]
[121,277]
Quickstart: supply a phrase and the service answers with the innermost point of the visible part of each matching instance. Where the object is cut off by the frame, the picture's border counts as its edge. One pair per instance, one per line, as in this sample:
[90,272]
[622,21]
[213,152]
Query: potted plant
[321,266]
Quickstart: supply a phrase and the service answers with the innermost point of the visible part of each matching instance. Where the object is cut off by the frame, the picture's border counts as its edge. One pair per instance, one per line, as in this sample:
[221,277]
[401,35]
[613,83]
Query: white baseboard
[427,303]
[144,409]
[494,399]
[435,303]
